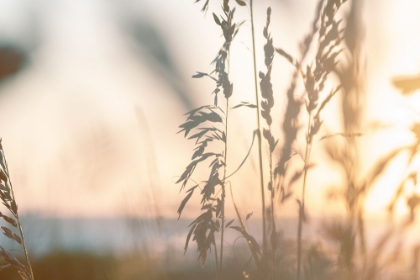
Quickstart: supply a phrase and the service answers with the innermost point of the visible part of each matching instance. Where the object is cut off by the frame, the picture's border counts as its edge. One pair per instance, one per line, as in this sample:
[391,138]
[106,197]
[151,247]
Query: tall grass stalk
[213,219]
[291,128]
[301,216]
[267,103]
[254,56]
[224,186]
[8,198]
[352,76]
[210,124]
[330,37]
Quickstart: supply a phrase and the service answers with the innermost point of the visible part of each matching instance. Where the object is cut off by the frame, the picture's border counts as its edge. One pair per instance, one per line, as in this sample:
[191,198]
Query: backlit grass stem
[257,100]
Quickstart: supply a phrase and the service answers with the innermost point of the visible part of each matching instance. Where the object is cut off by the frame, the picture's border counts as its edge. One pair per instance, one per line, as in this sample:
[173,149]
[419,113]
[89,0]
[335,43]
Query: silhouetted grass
[13,228]
[331,63]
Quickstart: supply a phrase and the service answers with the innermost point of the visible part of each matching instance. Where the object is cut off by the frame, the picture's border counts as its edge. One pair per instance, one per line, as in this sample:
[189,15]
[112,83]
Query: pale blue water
[155,238]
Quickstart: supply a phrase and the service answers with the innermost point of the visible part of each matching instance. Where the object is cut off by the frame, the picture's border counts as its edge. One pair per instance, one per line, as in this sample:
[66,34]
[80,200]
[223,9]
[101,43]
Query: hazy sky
[89,126]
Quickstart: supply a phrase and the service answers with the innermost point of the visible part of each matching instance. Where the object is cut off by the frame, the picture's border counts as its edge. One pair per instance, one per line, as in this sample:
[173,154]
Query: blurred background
[91,97]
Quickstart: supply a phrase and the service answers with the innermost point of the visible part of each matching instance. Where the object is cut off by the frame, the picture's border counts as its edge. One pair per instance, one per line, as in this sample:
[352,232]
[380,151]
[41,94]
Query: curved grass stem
[28,263]
[264,220]
[273,225]
[245,233]
[302,206]
[216,260]
[224,188]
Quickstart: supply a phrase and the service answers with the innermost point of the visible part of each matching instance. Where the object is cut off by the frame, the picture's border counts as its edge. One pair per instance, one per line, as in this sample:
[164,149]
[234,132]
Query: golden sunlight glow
[393,49]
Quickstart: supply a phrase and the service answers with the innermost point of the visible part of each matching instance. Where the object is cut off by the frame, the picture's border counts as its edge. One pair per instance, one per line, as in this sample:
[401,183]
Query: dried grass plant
[330,62]
[314,78]
[13,228]
[213,190]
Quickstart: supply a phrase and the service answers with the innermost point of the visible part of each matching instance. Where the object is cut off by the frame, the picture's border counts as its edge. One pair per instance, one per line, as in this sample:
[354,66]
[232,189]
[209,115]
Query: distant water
[154,237]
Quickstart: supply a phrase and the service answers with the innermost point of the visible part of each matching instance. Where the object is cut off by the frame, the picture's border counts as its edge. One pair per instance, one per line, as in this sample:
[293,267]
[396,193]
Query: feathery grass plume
[205,136]
[267,104]
[13,229]
[314,78]
[350,234]
[213,190]
[290,124]
[352,78]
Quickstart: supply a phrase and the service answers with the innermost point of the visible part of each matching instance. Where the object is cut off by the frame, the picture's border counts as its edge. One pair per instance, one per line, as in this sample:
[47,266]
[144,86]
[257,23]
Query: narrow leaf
[17,238]
[14,207]
[3,175]
[7,232]
[245,104]
[286,55]
[248,216]
[188,238]
[229,223]
[238,228]
[199,75]
[216,19]
[184,202]
[9,220]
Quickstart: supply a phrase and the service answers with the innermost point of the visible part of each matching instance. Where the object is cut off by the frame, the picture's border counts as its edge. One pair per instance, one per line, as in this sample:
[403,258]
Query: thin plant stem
[245,233]
[302,209]
[273,228]
[223,187]
[259,132]
[216,261]
[24,244]
[361,227]
[224,176]
[20,225]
